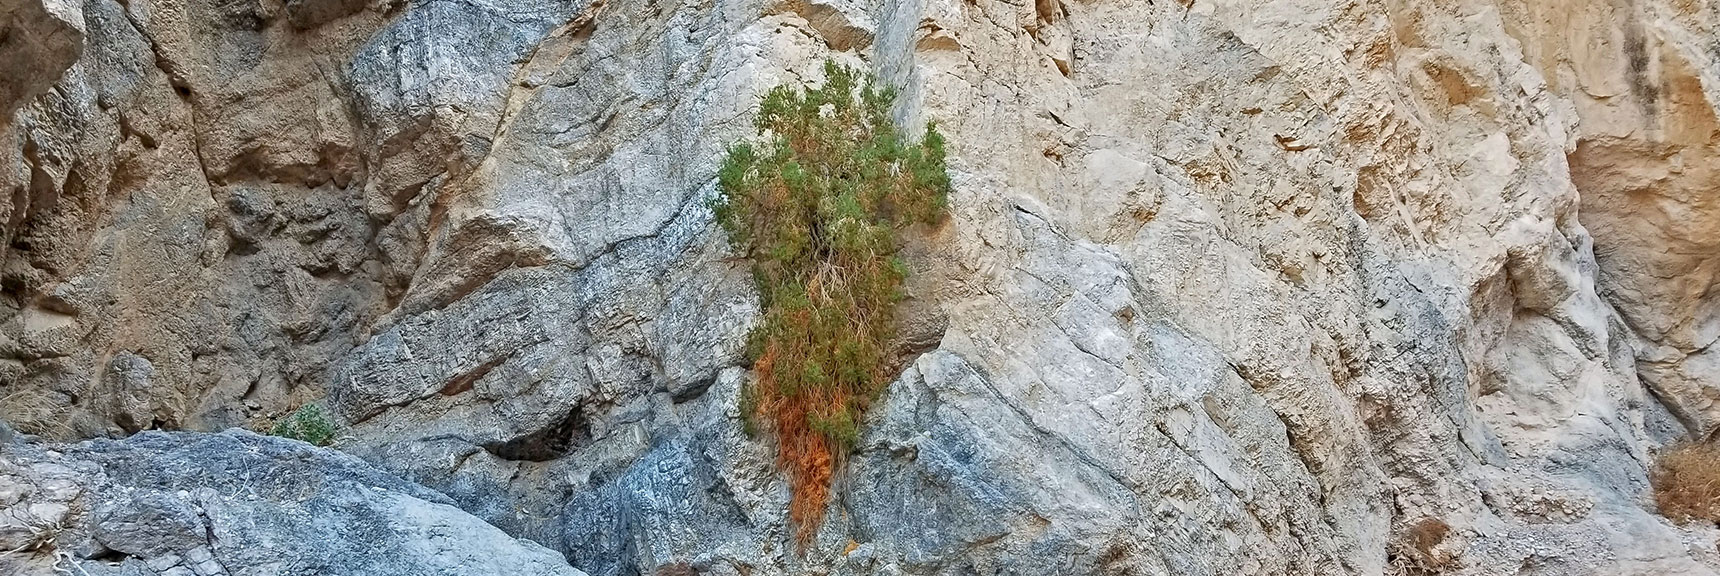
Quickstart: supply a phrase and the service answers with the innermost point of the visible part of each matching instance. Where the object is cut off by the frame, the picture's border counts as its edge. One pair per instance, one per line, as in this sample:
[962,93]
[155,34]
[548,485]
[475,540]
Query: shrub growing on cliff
[308,424]
[1686,482]
[1419,550]
[816,204]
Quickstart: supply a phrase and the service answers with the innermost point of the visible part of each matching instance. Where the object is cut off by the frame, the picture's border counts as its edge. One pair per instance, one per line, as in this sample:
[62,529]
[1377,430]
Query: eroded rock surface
[235,503]
[1230,286]
[40,39]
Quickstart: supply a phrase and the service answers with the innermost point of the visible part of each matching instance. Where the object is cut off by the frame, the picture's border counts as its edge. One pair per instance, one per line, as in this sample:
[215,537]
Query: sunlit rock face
[1228,287]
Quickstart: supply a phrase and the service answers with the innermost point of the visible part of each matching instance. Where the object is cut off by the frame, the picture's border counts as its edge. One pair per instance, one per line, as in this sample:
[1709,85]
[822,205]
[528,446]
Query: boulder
[236,503]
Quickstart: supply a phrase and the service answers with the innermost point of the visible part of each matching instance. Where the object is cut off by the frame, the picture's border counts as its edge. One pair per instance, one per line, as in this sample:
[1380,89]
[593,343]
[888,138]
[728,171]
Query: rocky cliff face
[1231,286]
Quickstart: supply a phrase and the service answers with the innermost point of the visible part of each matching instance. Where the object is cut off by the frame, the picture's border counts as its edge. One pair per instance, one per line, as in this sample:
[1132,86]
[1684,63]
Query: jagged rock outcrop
[41,39]
[1230,286]
[1645,162]
[186,504]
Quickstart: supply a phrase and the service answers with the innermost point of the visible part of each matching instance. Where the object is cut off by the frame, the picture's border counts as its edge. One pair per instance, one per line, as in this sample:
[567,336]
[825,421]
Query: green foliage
[816,203]
[309,424]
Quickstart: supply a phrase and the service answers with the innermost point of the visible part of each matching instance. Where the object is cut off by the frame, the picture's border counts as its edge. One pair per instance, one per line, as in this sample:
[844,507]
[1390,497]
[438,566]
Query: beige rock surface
[1233,286]
[1645,163]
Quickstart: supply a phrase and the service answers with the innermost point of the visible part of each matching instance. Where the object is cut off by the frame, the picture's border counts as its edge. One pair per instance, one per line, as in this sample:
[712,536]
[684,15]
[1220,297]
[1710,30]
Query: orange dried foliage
[1686,480]
[816,207]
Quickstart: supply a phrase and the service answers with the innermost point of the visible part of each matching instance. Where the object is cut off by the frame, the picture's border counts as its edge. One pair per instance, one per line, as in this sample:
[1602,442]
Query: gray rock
[953,476]
[236,503]
[670,505]
[1228,287]
[431,87]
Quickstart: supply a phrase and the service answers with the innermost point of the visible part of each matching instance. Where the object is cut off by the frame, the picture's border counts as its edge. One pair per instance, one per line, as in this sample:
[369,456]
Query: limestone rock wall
[1230,286]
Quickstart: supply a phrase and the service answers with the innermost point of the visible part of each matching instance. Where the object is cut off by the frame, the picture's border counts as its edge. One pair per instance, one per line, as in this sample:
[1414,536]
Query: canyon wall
[1229,287]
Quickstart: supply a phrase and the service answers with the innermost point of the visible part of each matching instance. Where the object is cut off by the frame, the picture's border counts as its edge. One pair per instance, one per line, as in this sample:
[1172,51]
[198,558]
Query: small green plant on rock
[309,424]
[816,204]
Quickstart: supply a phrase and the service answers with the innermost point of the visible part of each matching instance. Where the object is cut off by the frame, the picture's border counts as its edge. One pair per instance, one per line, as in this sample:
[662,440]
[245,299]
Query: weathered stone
[39,40]
[313,13]
[237,503]
[1228,286]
